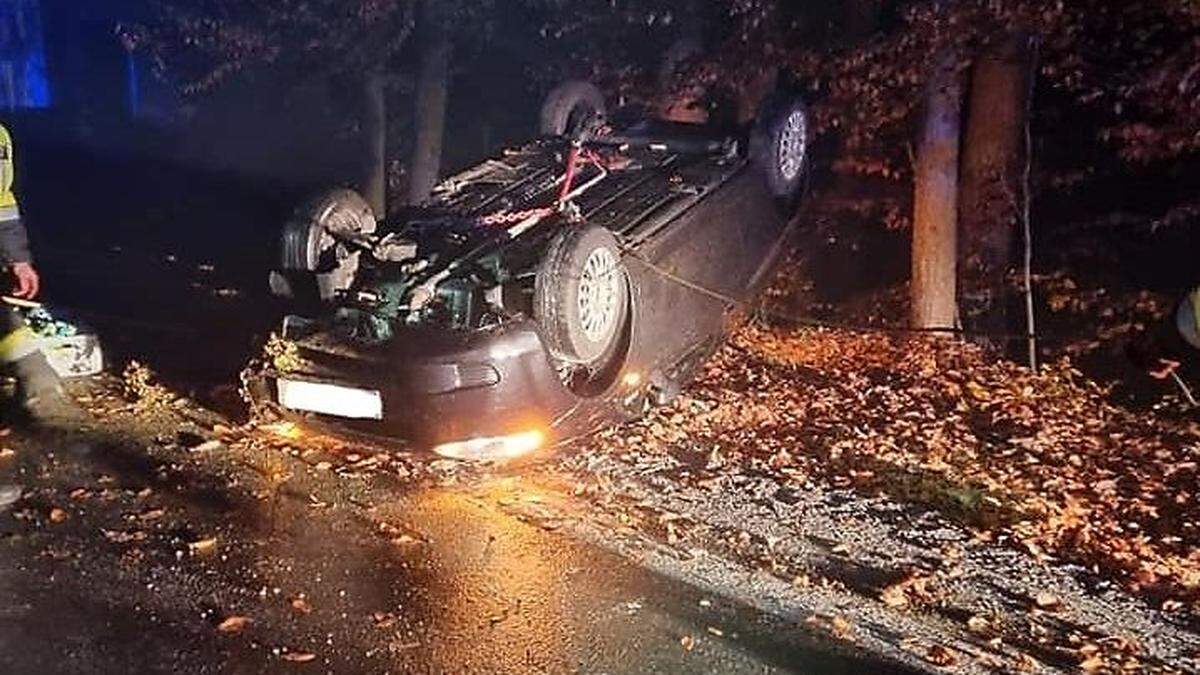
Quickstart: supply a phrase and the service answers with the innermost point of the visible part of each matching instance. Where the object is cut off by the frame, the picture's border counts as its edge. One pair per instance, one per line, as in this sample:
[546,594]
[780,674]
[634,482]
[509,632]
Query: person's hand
[28,283]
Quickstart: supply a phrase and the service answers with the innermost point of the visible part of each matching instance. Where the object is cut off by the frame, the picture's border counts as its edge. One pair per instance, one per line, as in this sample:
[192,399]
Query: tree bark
[374,129]
[991,206]
[433,85]
[935,217]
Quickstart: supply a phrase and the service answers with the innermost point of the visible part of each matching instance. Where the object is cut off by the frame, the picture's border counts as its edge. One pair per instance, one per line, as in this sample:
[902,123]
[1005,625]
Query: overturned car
[572,281]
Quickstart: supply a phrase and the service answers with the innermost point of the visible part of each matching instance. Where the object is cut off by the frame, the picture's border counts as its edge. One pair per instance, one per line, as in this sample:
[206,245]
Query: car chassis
[434,325]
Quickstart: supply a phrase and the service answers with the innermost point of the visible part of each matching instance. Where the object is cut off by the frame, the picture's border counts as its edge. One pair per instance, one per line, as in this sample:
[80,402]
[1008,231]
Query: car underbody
[437,325]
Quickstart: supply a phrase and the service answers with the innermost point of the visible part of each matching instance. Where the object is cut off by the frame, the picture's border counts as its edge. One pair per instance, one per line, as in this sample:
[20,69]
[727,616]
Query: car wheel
[317,241]
[1187,319]
[780,146]
[581,296]
[571,108]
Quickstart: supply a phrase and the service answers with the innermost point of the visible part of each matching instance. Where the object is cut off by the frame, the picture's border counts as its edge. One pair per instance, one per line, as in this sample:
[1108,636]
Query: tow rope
[805,321]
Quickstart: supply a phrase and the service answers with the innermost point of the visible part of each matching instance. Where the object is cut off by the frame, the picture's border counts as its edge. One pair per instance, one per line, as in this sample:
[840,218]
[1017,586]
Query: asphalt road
[130,557]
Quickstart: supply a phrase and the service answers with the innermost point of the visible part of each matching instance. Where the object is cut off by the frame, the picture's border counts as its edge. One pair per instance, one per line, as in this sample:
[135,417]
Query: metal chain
[510,217]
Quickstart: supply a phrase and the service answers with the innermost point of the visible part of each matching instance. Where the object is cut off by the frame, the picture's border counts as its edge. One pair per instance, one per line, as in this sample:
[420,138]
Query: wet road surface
[131,558]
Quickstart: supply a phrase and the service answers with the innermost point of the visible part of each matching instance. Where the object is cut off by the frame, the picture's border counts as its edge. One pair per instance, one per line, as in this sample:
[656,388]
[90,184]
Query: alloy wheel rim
[793,145]
[598,294]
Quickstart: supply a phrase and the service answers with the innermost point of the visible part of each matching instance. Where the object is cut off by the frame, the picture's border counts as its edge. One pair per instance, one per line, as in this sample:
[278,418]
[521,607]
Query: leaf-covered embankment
[1043,460]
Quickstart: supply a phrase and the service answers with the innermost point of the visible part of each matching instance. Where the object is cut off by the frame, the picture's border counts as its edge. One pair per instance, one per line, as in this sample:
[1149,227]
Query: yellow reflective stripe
[17,345]
[9,211]
[7,170]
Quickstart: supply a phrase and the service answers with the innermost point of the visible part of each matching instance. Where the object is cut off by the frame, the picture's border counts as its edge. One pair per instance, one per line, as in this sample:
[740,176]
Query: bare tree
[992,200]
[433,88]
[374,126]
[935,218]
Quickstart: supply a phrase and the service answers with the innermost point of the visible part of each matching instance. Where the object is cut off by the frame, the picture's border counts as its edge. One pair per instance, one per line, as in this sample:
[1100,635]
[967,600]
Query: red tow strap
[509,217]
[569,177]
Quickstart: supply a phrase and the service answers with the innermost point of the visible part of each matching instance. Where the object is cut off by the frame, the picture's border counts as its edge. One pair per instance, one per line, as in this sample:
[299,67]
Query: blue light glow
[24,82]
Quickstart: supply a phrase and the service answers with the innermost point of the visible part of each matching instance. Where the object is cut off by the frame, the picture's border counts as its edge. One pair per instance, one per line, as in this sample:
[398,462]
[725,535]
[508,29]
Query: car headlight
[493,448]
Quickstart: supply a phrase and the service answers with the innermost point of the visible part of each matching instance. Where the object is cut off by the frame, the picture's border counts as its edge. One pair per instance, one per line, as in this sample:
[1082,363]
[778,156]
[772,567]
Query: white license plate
[330,399]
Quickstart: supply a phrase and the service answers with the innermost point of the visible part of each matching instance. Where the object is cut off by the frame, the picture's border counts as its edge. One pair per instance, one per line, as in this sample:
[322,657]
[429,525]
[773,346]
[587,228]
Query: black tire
[315,242]
[773,146]
[571,108]
[1187,321]
[319,224]
[572,333]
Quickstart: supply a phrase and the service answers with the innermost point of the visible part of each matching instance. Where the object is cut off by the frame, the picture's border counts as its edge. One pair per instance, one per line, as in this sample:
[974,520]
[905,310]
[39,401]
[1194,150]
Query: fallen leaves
[1025,663]
[152,514]
[234,624]
[1043,460]
[142,388]
[285,430]
[939,655]
[894,596]
[203,546]
[1047,602]
[209,446]
[1172,605]
[119,537]
[58,515]
[384,619]
[916,588]
[841,628]
[298,657]
[282,354]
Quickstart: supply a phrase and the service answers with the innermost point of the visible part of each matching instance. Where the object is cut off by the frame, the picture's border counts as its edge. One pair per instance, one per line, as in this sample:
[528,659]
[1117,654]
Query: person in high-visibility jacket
[40,396]
[39,390]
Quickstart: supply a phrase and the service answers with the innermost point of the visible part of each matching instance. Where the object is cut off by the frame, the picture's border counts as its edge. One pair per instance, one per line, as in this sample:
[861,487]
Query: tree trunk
[433,84]
[374,129]
[935,236]
[992,201]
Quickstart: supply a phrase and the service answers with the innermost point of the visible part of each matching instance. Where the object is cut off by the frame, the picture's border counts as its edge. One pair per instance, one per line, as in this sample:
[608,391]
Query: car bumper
[432,387]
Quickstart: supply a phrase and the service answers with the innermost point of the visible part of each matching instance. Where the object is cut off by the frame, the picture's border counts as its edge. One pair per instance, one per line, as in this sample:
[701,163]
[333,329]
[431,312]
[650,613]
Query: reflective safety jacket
[14,241]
